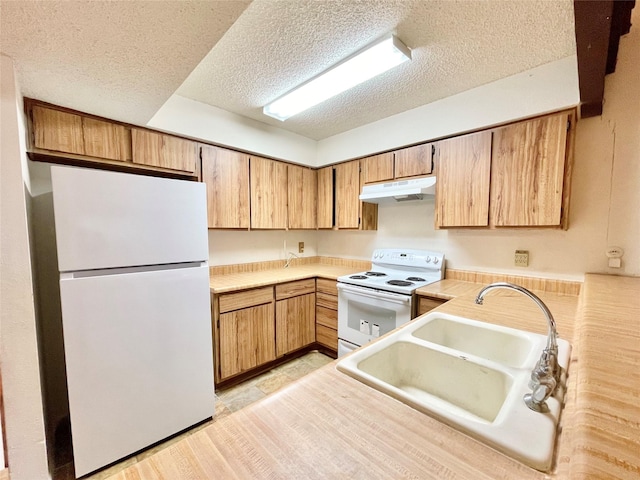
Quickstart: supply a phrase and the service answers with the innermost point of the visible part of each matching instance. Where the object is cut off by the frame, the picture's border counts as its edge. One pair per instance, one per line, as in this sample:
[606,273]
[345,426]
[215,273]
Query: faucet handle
[536,400]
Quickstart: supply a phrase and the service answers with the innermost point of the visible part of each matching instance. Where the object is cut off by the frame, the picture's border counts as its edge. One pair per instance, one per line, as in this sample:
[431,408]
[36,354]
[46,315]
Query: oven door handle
[377,294]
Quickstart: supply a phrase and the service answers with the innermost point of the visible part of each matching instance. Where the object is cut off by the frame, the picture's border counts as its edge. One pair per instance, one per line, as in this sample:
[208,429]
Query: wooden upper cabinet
[60,131]
[414,161]
[226,175]
[165,151]
[268,193]
[302,194]
[462,189]
[347,193]
[325,198]
[106,140]
[377,168]
[527,172]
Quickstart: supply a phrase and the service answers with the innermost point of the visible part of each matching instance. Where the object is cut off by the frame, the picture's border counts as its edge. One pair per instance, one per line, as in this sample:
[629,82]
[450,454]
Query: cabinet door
[268,193]
[58,131]
[347,192]
[377,168]
[246,339]
[302,185]
[527,172]
[325,198]
[106,140]
[414,161]
[226,174]
[164,151]
[295,323]
[462,190]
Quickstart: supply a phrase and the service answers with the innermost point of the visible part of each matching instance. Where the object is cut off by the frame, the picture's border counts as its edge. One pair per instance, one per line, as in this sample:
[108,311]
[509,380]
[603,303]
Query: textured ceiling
[124,59]
[118,59]
[456,45]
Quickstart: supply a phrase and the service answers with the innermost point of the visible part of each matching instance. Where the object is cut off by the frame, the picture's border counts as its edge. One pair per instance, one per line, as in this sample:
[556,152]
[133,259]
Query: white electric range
[377,301]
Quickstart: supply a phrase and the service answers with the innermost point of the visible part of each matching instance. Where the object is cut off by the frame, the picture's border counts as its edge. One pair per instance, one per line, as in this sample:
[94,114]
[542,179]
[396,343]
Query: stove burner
[376,274]
[358,277]
[399,283]
[416,279]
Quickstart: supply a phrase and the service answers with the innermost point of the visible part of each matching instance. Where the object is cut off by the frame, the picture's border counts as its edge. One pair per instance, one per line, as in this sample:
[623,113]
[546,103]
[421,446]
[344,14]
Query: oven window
[363,318]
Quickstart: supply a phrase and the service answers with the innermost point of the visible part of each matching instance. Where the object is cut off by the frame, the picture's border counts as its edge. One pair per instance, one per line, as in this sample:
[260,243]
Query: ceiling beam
[599,25]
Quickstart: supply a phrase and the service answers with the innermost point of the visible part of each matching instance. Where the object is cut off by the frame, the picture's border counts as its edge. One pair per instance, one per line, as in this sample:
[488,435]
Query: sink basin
[503,345]
[429,375]
[468,374]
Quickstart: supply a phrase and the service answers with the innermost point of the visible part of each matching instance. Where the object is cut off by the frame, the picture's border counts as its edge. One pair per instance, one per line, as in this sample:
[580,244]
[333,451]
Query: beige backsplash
[562,287]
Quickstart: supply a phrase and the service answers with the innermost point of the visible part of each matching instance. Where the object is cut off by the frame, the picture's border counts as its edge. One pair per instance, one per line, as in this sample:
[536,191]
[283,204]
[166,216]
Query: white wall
[605,201]
[195,119]
[229,247]
[543,89]
[19,354]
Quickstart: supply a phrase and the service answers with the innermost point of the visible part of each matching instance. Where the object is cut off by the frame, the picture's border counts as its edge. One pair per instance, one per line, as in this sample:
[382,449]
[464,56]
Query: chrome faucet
[545,376]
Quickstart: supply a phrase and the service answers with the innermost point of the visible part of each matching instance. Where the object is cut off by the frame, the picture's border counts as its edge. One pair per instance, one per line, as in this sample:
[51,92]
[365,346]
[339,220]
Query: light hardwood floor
[227,402]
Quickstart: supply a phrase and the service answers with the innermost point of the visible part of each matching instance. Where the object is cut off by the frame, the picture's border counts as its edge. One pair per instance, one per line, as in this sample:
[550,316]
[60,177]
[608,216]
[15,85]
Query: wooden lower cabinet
[295,323]
[257,326]
[327,313]
[245,330]
[327,336]
[246,339]
[295,315]
[426,304]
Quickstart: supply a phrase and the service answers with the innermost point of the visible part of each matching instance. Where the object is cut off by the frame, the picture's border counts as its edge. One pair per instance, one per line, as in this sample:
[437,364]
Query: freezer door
[108,219]
[139,360]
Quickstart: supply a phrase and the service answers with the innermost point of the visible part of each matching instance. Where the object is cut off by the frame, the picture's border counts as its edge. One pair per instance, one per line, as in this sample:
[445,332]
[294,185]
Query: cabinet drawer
[327,336]
[327,286]
[426,304]
[327,317]
[228,302]
[328,301]
[293,289]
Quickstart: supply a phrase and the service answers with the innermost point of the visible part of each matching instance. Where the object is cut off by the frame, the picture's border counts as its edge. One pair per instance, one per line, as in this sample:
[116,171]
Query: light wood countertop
[447,289]
[328,425]
[240,281]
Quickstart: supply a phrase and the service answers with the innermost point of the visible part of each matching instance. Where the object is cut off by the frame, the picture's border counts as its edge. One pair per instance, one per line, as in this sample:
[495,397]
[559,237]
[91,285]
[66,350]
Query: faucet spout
[545,376]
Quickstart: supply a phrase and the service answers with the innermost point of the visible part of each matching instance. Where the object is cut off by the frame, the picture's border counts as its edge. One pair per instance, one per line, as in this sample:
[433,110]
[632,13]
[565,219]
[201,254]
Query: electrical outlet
[614,252]
[300,247]
[522,258]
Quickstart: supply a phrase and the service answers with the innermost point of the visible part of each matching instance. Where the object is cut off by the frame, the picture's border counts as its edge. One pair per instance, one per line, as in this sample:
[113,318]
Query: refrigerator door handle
[126,270]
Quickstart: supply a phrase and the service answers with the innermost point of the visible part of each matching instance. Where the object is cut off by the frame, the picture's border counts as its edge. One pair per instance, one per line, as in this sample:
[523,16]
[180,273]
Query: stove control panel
[408,258]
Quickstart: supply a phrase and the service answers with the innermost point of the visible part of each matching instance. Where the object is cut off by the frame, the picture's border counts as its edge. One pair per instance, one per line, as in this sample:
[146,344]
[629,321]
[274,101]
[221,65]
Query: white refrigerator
[134,289]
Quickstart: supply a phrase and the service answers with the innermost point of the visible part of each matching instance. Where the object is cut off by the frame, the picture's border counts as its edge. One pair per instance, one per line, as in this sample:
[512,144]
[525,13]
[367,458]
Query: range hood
[400,191]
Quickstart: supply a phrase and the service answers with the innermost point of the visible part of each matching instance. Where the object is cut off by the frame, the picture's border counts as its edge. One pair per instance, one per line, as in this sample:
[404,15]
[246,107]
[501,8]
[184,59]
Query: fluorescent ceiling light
[367,63]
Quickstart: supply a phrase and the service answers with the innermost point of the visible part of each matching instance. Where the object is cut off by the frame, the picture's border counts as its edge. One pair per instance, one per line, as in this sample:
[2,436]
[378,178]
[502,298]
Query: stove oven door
[365,313]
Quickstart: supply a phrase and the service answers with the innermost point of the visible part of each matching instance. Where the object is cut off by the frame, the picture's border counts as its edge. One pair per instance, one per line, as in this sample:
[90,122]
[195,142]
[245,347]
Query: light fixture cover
[373,60]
